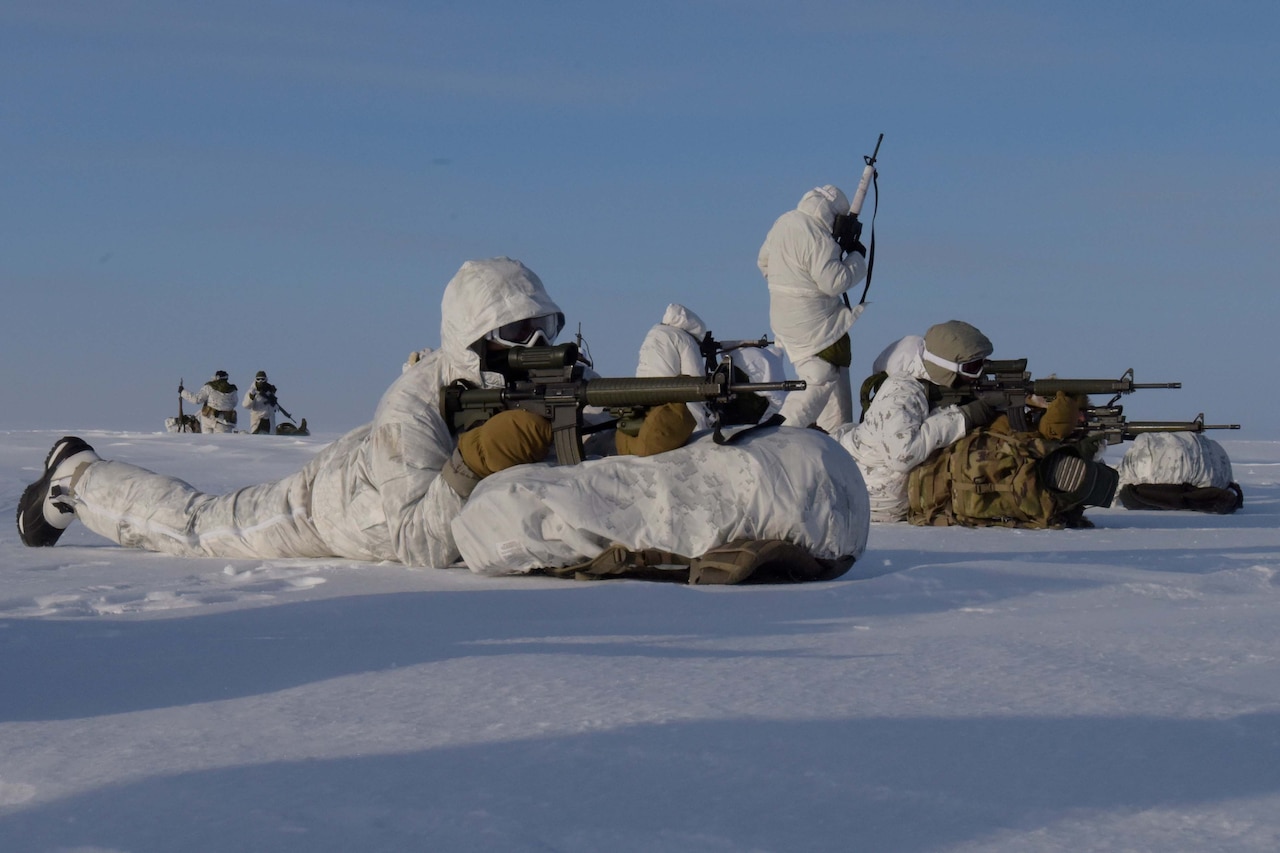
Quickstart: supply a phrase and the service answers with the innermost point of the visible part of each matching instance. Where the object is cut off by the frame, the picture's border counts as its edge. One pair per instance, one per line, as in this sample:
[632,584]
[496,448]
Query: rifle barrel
[785,385]
[1048,387]
[658,390]
[1173,426]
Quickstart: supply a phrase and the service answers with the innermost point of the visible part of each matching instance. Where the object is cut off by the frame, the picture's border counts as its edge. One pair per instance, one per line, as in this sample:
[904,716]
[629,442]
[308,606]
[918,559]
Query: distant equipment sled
[293,429]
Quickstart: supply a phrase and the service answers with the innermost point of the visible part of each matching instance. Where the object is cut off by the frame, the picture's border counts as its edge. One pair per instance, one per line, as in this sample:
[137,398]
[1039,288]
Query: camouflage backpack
[988,479]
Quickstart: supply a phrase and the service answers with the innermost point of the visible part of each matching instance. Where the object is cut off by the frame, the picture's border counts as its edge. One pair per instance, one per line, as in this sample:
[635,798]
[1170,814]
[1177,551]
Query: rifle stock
[549,382]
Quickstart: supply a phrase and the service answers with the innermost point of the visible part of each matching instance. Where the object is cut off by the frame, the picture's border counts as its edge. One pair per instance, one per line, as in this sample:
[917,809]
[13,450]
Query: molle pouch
[839,354]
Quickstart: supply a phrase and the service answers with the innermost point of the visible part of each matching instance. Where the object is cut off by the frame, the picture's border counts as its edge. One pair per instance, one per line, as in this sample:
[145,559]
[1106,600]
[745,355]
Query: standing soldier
[261,402]
[809,272]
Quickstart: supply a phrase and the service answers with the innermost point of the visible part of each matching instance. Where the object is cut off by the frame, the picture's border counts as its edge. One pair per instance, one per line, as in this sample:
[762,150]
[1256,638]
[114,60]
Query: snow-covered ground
[959,690]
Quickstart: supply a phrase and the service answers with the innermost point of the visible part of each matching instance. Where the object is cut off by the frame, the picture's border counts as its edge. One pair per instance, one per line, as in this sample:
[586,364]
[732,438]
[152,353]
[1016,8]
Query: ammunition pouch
[839,354]
[228,416]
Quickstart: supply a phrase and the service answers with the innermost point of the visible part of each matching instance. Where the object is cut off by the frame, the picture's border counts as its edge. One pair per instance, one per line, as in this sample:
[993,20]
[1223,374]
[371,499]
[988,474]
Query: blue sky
[289,186]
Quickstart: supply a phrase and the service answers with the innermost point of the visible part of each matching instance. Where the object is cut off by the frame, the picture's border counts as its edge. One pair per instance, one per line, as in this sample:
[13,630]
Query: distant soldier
[261,402]
[217,402]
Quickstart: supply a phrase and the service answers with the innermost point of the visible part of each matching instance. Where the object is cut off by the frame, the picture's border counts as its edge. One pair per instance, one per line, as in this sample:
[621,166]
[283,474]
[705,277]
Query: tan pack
[736,562]
[986,479]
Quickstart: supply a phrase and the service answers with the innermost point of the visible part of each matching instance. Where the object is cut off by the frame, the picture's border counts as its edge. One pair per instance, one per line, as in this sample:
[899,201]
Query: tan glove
[512,437]
[1062,415]
[665,427]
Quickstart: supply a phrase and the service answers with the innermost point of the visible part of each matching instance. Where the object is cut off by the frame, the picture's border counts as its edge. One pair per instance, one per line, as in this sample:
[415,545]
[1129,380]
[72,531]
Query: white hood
[484,295]
[903,356]
[684,319]
[823,203]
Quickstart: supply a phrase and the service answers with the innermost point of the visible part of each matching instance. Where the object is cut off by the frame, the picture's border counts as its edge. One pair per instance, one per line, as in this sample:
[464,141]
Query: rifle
[1009,381]
[847,226]
[1110,424]
[269,395]
[549,382]
[182,419]
[271,398]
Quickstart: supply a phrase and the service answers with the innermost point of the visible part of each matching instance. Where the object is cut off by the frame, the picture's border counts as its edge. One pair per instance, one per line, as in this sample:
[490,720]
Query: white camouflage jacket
[898,433]
[802,263]
[671,349]
[221,401]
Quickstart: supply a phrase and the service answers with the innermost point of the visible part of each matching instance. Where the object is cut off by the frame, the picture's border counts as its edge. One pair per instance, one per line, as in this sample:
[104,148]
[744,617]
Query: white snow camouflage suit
[776,483]
[898,433]
[807,279]
[373,494]
[210,398]
[672,348]
[259,410]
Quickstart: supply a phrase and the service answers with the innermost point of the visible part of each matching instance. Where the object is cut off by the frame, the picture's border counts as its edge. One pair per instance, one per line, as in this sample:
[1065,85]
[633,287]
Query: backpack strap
[776,419]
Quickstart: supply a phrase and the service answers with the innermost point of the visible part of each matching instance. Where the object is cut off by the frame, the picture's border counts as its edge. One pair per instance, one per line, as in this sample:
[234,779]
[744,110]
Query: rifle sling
[871,247]
[775,419]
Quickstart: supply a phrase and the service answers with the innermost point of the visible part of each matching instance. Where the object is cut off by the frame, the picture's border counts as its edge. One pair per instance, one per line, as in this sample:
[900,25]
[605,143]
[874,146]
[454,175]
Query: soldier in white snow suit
[674,348]
[902,428]
[385,491]
[809,274]
[671,348]
[261,402]
[217,401]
